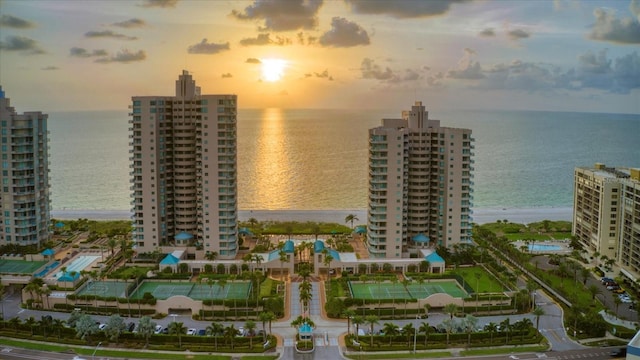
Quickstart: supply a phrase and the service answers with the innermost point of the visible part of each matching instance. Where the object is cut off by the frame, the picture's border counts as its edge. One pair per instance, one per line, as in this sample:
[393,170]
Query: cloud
[518,34]
[84,53]
[205,47]
[282,15]
[467,68]
[227,75]
[131,23]
[322,75]
[125,56]
[265,39]
[595,63]
[22,44]
[344,33]
[160,3]
[49,68]
[371,70]
[620,31]
[402,9]
[253,61]
[15,22]
[488,32]
[108,34]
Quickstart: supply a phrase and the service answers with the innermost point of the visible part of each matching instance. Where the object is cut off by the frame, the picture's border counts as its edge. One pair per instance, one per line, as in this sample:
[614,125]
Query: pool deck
[563,244]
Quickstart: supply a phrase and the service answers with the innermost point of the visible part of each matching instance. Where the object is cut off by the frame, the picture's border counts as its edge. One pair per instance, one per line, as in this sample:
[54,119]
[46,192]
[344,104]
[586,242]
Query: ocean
[316,159]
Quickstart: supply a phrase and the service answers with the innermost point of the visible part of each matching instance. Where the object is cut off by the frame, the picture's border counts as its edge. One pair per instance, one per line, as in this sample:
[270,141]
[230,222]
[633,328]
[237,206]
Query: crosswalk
[318,341]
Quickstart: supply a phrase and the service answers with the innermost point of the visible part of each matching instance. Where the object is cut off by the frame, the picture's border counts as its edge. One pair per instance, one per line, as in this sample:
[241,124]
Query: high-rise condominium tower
[420,185]
[184,171]
[24,196]
[606,215]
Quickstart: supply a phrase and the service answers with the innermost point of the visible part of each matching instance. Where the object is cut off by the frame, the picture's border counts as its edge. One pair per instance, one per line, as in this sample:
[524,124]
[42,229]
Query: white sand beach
[480,215]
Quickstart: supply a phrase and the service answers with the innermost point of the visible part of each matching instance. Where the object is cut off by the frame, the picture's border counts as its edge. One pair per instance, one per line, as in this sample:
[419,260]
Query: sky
[563,55]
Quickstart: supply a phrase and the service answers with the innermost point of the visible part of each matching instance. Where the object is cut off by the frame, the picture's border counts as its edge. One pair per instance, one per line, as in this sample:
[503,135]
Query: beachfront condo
[606,214]
[24,196]
[184,172]
[420,185]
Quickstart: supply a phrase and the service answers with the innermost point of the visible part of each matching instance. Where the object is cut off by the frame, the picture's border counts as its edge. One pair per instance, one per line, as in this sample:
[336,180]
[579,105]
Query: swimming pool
[80,263]
[544,247]
[46,270]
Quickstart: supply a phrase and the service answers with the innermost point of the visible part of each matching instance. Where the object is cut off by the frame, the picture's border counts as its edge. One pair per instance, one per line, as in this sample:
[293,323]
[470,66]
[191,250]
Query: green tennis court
[165,290]
[104,289]
[388,290]
[20,266]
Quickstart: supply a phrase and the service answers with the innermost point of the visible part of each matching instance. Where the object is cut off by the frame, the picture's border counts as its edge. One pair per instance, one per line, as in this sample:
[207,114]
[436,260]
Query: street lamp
[93,356]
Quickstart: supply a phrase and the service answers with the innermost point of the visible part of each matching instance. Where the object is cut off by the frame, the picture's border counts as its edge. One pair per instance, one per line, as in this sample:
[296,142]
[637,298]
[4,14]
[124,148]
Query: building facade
[596,204]
[184,171]
[606,215]
[24,196]
[420,185]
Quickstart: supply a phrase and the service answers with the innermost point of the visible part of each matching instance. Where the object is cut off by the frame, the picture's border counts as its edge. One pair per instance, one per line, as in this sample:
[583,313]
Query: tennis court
[104,289]
[165,290]
[20,266]
[387,290]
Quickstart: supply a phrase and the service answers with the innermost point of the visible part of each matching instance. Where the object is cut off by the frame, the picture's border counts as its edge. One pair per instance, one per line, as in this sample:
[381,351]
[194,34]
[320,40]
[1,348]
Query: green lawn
[419,355]
[509,350]
[486,283]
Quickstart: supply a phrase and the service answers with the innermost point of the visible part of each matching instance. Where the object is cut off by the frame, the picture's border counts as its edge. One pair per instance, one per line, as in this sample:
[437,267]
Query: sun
[273,69]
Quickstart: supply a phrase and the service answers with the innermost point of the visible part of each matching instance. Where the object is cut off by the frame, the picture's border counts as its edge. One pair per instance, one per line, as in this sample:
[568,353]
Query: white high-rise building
[184,171]
[420,185]
[24,195]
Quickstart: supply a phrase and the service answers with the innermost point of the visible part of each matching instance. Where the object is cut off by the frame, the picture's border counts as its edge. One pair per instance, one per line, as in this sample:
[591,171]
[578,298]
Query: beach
[480,215]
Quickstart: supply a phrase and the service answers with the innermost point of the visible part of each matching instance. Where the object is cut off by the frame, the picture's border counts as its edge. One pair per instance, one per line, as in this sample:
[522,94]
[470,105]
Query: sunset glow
[273,69]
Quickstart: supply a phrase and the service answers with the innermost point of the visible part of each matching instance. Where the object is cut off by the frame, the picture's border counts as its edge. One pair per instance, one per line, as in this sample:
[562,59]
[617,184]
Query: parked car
[158,329]
[606,279]
[241,331]
[202,332]
[192,331]
[131,326]
[619,290]
[613,287]
[102,326]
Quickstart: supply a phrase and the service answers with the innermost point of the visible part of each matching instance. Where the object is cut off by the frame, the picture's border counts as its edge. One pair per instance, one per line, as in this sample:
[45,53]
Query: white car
[158,329]
[192,331]
[102,326]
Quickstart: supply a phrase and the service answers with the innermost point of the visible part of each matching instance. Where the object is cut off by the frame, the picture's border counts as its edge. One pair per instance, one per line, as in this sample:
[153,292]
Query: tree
[85,327]
[523,325]
[31,323]
[357,321]
[283,258]
[409,331]
[450,309]
[617,302]
[230,332]
[73,318]
[348,314]
[45,323]
[177,328]
[449,324]
[593,290]
[115,327]
[470,323]
[146,328]
[426,329]
[585,273]
[250,326]
[215,329]
[372,320]
[532,286]
[112,243]
[57,324]
[505,326]
[537,312]
[390,330]
[491,328]
[351,218]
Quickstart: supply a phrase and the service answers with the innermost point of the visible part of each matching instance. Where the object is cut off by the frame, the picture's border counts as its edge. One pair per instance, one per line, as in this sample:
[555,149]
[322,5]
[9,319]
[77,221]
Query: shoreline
[480,215]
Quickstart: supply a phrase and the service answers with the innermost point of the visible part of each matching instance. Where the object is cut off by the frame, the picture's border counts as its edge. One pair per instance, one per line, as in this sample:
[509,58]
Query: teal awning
[169,260]
[318,246]
[434,258]
[421,238]
[288,246]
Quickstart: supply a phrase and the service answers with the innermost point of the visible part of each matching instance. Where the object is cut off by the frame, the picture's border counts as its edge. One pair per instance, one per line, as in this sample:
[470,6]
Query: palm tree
[506,325]
[491,328]
[470,323]
[390,330]
[57,324]
[372,320]
[593,290]
[448,325]
[426,329]
[532,286]
[617,302]
[351,218]
[230,332]
[348,314]
[283,258]
[146,327]
[357,321]
[585,273]
[537,312]
[408,330]
[112,243]
[45,323]
[523,326]
[250,325]
[450,309]
[177,328]
[30,322]
[214,330]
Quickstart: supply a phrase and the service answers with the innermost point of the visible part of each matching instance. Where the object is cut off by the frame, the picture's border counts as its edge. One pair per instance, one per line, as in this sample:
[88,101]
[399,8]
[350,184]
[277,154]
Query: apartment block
[596,204]
[629,249]
[420,185]
[184,172]
[24,195]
